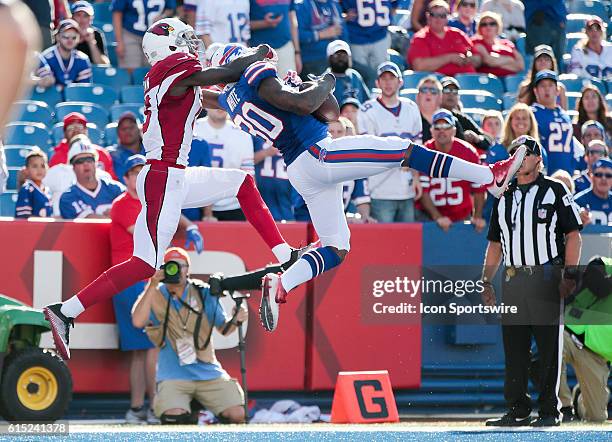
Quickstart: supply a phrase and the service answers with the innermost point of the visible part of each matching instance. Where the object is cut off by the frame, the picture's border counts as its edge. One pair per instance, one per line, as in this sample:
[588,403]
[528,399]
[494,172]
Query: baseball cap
[449,81]
[338,45]
[438,4]
[601,163]
[174,253]
[67,24]
[127,115]
[74,117]
[595,20]
[532,145]
[350,100]
[84,6]
[592,123]
[543,49]
[81,144]
[133,161]
[388,66]
[443,114]
[545,75]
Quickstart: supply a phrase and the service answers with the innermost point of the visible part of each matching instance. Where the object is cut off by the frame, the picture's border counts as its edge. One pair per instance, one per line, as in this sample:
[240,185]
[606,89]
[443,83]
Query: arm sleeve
[567,210]
[180,66]
[23,208]
[494,233]
[67,210]
[418,49]
[258,72]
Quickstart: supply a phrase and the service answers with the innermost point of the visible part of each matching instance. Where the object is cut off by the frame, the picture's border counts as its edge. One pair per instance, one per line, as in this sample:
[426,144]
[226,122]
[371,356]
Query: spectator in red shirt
[75,123]
[440,48]
[447,200]
[499,56]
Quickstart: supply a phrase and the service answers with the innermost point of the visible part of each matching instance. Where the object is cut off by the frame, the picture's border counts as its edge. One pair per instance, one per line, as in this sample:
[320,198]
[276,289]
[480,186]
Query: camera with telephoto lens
[172,272]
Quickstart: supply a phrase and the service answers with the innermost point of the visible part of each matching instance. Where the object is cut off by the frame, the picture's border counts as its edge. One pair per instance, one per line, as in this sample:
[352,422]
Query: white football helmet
[226,53]
[169,36]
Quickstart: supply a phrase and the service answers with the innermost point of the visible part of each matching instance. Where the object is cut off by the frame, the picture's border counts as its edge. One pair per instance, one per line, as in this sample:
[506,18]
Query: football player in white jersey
[231,148]
[221,21]
[392,192]
[165,185]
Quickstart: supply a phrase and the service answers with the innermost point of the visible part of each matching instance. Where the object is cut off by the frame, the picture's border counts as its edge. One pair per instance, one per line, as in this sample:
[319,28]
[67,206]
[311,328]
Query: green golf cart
[35,383]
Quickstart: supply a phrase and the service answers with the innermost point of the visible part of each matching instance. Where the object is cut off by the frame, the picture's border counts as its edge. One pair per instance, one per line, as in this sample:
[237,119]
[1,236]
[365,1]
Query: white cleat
[504,171]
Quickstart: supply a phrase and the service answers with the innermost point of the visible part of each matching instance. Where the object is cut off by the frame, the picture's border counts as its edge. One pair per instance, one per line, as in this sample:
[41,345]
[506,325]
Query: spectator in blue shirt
[275,23]
[131,19]
[33,198]
[546,21]
[465,18]
[320,22]
[596,202]
[348,81]
[130,143]
[62,64]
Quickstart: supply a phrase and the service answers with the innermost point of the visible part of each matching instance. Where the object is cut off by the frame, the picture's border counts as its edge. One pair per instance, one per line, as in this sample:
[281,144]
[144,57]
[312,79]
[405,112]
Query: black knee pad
[177,419]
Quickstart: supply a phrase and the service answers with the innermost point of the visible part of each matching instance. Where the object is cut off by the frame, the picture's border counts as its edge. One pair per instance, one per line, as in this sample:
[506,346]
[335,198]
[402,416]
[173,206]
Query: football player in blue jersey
[317,165]
[554,124]
[33,198]
[596,202]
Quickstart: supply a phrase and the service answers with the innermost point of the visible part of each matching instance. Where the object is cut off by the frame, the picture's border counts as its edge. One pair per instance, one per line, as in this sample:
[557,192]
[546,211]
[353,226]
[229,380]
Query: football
[328,111]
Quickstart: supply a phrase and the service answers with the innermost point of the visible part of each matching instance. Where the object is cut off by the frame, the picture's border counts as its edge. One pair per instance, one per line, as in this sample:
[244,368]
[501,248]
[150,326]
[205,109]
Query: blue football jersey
[600,208]
[292,134]
[556,136]
[138,15]
[33,201]
[273,184]
[199,155]
[79,202]
[367,20]
[76,69]
[582,182]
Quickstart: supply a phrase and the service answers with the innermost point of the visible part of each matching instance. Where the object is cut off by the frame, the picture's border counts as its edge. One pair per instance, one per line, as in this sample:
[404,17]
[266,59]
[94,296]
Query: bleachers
[592,7]
[138,74]
[111,76]
[32,111]
[487,82]
[574,83]
[7,203]
[412,78]
[132,94]
[33,134]
[11,182]
[572,99]
[102,12]
[135,108]
[479,99]
[512,83]
[15,154]
[105,96]
[110,134]
[50,95]
[94,113]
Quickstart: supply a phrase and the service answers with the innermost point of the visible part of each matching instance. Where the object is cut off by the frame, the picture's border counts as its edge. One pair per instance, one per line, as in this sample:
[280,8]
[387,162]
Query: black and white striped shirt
[531,222]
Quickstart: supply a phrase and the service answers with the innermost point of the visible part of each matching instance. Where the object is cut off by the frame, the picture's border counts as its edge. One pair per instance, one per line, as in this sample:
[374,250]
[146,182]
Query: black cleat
[298,253]
[546,421]
[510,419]
[60,328]
[568,415]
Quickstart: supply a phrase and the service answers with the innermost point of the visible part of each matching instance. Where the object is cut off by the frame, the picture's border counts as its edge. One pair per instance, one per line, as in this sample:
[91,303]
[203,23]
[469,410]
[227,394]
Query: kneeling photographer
[587,342]
[179,314]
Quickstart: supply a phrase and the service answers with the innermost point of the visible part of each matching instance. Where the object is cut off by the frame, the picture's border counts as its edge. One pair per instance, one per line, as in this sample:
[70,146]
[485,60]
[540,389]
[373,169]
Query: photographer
[172,307]
[587,343]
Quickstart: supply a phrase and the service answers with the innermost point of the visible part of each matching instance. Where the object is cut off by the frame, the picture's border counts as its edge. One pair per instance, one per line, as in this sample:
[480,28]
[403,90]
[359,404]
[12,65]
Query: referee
[535,229]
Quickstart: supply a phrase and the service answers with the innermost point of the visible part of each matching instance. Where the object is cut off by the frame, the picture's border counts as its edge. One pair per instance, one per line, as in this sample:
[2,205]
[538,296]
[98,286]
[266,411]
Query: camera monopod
[238,299]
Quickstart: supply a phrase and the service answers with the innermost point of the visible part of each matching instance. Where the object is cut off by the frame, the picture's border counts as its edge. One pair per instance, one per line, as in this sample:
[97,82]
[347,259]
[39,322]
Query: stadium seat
[400,16]
[477,114]
[508,100]
[409,93]
[573,83]
[512,83]
[50,95]
[572,99]
[396,58]
[412,78]
[609,100]
[33,111]
[100,94]
[486,82]
[110,134]
[110,76]
[520,44]
[135,108]
[609,86]
[31,134]
[15,154]
[479,99]
[572,39]
[94,113]
[7,203]
[592,7]
[102,12]
[138,74]
[11,182]
[95,135]
[111,51]
[132,94]
[576,22]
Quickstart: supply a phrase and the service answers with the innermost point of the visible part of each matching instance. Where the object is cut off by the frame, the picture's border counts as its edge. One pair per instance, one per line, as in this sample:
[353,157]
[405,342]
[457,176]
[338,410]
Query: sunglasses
[69,37]
[528,153]
[440,15]
[450,90]
[602,175]
[84,160]
[485,24]
[428,90]
[596,27]
[468,5]
[442,126]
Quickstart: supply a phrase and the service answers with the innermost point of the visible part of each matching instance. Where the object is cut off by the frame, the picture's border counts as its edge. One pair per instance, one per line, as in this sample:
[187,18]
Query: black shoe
[546,421]
[60,328]
[298,253]
[568,415]
[510,419]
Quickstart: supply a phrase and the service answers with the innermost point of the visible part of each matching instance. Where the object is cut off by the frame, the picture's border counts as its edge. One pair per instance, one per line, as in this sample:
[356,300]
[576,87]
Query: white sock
[464,170]
[282,252]
[72,308]
[297,274]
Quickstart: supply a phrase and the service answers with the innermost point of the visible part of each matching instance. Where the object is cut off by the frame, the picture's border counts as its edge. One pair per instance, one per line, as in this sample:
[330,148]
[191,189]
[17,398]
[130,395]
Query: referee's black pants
[537,299]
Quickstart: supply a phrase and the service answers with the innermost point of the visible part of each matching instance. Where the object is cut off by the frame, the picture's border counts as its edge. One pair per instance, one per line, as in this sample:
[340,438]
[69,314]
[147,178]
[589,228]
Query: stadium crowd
[461,77]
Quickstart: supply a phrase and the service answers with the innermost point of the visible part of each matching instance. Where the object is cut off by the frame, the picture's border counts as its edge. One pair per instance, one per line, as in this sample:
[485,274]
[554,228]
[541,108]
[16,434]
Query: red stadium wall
[305,353]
